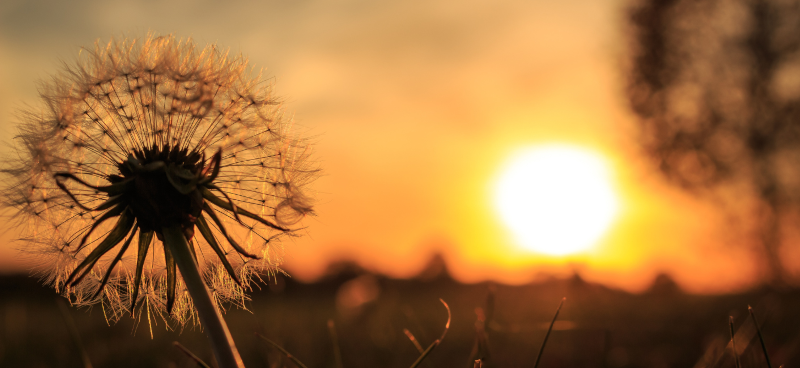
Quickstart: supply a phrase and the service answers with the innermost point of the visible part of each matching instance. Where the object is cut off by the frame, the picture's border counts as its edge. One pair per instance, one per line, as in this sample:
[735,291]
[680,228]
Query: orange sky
[415,106]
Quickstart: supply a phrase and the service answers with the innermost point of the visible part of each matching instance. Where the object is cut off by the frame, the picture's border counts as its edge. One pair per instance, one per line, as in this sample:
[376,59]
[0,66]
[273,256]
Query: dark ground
[598,327]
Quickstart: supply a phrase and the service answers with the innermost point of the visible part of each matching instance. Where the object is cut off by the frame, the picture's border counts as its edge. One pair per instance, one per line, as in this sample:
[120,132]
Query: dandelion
[140,146]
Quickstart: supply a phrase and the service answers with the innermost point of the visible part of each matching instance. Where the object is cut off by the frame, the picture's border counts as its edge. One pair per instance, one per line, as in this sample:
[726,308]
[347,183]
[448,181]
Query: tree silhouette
[716,88]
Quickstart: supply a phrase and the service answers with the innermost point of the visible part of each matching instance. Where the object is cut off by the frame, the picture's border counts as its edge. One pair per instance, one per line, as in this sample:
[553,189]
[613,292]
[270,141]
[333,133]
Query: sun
[556,199]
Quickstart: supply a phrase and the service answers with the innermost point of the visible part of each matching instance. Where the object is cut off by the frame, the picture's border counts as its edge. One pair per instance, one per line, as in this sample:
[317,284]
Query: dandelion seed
[144,135]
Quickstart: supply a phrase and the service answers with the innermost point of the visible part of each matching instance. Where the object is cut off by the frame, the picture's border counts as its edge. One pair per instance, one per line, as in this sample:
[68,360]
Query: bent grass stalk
[436,342]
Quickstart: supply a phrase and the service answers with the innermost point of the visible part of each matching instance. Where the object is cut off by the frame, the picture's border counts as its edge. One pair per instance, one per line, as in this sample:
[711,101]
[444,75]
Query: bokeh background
[415,106]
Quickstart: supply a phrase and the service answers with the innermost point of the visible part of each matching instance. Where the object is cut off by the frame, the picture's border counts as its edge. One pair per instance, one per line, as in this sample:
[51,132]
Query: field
[597,327]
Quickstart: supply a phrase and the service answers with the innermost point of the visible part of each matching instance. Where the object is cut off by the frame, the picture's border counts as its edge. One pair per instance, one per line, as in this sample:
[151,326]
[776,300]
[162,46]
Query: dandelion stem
[210,317]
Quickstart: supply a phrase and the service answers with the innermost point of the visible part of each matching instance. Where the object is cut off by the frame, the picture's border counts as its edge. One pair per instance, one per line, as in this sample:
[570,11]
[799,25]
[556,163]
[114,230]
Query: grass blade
[437,341]
[73,331]
[547,335]
[760,337]
[413,340]
[186,351]
[449,317]
[733,344]
[337,352]
[282,350]
[425,354]
[480,346]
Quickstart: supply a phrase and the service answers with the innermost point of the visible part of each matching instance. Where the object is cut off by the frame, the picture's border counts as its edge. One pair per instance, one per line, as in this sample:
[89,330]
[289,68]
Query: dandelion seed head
[140,134]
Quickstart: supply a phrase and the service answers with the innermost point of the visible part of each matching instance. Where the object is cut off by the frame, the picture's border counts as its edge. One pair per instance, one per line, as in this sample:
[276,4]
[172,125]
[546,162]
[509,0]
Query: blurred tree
[716,87]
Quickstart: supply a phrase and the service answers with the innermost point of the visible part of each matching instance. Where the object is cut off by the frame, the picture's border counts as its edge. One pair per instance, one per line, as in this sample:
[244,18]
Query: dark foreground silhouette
[504,325]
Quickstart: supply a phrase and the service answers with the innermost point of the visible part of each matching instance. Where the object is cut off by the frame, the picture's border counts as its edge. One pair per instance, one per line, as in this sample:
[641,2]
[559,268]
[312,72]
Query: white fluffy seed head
[132,94]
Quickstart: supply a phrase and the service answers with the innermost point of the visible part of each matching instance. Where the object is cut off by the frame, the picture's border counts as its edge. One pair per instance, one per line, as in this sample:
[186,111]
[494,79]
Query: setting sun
[556,199]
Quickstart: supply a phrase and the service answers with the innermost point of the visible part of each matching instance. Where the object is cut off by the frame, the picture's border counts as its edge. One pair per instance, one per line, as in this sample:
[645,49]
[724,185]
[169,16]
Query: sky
[415,106]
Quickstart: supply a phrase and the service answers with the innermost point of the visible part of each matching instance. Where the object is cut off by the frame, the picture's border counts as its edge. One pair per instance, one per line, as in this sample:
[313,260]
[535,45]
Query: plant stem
[760,337]
[733,343]
[73,330]
[210,317]
[541,349]
[285,352]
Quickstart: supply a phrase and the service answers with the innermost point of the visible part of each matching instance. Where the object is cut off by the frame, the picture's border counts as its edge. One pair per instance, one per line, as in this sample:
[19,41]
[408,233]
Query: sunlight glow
[556,199]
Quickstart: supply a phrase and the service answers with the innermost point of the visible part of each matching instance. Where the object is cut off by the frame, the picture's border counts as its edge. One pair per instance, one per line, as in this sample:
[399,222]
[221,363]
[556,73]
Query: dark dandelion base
[160,188]
[155,198]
